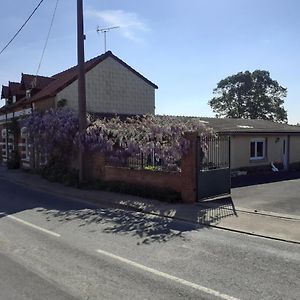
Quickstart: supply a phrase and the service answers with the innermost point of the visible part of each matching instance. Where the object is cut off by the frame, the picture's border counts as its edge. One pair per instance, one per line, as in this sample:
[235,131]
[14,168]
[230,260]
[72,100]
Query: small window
[23,132]
[28,94]
[257,149]
[3,133]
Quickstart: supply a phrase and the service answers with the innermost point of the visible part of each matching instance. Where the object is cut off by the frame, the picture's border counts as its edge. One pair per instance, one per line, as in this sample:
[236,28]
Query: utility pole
[81,85]
[104,31]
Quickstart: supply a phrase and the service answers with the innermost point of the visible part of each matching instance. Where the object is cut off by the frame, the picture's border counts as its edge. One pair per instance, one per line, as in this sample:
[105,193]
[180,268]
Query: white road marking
[168,276]
[31,225]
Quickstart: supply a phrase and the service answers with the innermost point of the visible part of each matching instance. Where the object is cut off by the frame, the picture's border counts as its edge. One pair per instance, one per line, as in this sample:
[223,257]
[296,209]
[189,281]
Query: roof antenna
[104,31]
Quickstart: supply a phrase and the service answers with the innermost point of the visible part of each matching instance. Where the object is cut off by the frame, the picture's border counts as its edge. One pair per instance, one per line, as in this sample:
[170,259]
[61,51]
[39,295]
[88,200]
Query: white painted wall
[112,88]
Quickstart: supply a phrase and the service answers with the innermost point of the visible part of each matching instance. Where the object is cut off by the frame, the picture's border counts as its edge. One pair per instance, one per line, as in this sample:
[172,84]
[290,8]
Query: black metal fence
[213,175]
[138,161]
[214,152]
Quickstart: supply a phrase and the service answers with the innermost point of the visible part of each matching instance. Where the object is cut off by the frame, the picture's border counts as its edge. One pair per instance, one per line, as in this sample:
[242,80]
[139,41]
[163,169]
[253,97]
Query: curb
[255,212]
[269,214]
[136,209]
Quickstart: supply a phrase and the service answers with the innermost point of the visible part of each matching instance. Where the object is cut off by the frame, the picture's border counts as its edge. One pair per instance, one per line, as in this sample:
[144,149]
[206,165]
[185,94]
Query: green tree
[250,96]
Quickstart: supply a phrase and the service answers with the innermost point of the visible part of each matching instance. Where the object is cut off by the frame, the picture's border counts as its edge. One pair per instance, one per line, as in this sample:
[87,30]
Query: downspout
[198,145]
[288,152]
[14,143]
[32,147]
[229,162]
[7,152]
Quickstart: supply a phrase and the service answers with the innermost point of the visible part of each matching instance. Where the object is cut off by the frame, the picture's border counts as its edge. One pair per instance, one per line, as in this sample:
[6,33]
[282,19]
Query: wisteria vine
[55,132]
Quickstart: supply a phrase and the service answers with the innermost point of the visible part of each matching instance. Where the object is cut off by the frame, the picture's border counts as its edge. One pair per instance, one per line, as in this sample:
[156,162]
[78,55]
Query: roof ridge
[66,77]
[86,62]
[27,74]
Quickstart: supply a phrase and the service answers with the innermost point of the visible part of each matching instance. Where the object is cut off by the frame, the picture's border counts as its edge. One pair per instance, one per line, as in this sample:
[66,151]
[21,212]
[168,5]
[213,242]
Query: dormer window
[28,94]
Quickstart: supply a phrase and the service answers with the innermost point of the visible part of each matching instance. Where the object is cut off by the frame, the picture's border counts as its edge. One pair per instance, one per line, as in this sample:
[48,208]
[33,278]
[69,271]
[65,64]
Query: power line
[47,38]
[15,35]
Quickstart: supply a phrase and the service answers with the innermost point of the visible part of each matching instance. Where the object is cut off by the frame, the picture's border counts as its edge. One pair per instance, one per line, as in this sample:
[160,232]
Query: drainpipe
[7,152]
[32,162]
[288,151]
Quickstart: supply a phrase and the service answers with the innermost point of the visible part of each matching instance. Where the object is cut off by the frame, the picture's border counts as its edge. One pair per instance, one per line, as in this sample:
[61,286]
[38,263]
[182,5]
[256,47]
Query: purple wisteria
[55,133]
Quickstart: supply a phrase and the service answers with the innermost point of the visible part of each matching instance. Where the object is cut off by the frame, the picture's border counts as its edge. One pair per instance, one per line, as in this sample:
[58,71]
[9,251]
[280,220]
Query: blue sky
[185,47]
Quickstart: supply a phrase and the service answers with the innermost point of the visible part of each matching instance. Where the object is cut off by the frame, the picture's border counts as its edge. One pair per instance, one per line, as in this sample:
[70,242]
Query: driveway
[276,192]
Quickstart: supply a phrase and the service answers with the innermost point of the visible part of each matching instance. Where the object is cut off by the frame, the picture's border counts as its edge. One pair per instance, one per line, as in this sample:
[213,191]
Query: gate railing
[213,152]
[213,172]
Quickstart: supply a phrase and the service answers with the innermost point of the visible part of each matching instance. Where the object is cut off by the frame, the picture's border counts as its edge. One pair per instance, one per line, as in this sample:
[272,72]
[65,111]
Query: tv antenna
[104,31]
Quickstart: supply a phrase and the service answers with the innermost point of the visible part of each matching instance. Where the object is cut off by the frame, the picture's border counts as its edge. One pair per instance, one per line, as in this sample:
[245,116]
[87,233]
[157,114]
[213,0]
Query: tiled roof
[29,81]
[15,88]
[248,126]
[65,78]
[5,92]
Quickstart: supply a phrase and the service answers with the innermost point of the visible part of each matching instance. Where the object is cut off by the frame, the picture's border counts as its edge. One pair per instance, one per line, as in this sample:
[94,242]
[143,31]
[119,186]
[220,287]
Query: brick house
[112,87]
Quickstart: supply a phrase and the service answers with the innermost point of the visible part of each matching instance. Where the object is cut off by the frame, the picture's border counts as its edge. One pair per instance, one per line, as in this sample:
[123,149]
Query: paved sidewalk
[219,213]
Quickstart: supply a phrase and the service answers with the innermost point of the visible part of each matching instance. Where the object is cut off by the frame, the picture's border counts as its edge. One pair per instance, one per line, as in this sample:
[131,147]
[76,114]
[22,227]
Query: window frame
[256,141]
[24,143]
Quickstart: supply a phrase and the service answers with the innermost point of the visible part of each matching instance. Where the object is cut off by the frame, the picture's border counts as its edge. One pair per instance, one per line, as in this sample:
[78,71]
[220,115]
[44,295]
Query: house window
[257,149]
[24,144]
[3,144]
[28,94]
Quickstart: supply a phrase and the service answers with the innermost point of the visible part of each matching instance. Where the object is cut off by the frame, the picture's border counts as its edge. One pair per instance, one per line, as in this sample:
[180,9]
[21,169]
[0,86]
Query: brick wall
[183,182]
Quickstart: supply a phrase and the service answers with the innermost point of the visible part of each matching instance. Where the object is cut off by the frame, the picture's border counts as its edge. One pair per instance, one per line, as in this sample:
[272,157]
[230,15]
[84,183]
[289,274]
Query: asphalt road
[19,283]
[53,248]
[275,192]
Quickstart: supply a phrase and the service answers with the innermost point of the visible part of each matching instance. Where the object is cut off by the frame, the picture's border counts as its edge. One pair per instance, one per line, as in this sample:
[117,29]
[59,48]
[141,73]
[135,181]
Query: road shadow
[248,180]
[148,227]
[159,224]
[217,209]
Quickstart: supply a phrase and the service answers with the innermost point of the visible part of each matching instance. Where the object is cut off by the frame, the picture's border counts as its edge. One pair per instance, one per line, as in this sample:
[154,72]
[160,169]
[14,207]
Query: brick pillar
[94,165]
[189,170]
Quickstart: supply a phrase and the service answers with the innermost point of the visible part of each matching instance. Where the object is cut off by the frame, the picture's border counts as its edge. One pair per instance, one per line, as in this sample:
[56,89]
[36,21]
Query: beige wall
[240,151]
[112,88]
[294,149]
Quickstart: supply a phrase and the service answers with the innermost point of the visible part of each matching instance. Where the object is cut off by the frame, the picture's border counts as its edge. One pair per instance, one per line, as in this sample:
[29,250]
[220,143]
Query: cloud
[130,23]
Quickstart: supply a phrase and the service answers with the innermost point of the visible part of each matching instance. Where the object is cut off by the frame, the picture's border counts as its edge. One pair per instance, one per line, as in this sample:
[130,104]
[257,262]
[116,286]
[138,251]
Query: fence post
[188,170]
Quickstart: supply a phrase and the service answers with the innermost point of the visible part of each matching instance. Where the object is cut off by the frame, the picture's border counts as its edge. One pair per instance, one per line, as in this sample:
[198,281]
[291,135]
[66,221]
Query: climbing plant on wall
[55,133]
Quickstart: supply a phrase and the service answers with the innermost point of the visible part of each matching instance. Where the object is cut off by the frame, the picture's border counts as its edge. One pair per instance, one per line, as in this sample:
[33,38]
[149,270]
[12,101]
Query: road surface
[54,248]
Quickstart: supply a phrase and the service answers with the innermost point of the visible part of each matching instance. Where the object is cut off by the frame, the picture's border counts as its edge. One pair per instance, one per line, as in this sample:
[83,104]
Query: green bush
[163,194]
[14,160]
[56,171]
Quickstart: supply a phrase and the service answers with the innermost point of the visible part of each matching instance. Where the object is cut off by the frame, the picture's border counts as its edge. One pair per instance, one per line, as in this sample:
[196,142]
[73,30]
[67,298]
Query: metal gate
[213,166]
